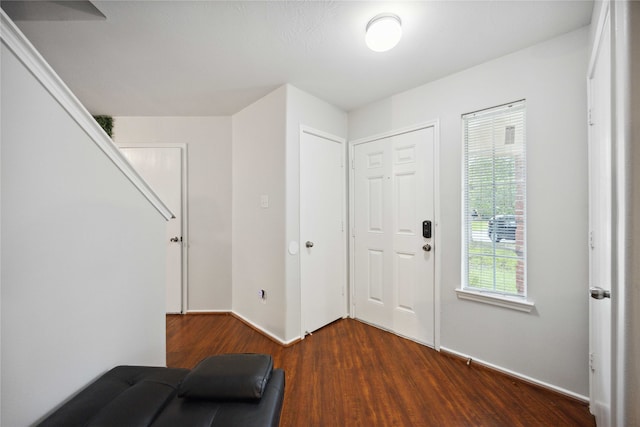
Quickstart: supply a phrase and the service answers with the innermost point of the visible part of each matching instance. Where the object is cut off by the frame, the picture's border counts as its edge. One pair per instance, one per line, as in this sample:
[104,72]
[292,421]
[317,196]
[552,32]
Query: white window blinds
[494,215]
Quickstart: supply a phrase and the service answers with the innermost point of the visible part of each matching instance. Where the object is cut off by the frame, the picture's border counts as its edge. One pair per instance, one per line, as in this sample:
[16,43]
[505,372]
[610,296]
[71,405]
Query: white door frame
[185,212]
[435,124]
[342,142]
[597,47]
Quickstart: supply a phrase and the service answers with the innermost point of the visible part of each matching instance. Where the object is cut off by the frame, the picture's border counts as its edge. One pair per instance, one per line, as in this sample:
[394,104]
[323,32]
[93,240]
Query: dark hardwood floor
[352,374]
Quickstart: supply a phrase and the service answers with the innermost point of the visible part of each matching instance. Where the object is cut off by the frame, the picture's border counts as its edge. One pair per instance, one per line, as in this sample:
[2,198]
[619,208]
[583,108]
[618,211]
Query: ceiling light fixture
[383,32]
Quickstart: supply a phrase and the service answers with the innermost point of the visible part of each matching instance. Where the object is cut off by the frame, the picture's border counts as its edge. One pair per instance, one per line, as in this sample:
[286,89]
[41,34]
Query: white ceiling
[202,58]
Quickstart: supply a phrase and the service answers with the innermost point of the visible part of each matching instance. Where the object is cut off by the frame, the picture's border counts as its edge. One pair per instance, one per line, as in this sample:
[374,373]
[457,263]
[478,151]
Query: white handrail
[26,53]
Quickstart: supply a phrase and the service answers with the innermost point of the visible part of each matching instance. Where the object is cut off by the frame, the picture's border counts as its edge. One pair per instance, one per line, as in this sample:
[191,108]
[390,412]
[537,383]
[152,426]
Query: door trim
[435,124]
[333,138]
[185,212]
[605,15]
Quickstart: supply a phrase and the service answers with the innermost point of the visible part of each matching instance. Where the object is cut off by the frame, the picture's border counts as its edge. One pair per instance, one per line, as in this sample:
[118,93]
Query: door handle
[599,293]
[175,239]
[309,244]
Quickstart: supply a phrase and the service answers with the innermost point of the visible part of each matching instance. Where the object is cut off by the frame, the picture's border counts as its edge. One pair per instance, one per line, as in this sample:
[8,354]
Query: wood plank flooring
[352,374]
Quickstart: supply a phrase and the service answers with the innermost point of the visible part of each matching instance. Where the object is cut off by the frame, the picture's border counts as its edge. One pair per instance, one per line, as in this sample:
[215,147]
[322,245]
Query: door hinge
[590,118]
[592,362]
[353,165]
[591,241]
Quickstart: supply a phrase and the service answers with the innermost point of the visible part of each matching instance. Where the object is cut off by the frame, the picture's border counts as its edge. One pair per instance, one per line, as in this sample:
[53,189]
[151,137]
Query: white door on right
[394,263]
[600,226]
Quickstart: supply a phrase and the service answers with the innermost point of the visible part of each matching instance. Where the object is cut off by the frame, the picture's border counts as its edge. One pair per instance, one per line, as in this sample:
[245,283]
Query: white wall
[82,258]
[551,343]
[258,242]
[208,142]
[307,110]
[266,161]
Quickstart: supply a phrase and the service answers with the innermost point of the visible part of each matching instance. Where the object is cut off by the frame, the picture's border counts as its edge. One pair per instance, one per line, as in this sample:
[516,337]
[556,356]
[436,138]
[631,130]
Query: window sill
[519,304]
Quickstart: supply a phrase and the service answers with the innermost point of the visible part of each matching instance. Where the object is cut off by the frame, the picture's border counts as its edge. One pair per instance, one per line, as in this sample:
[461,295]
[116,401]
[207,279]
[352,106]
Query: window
[494,200]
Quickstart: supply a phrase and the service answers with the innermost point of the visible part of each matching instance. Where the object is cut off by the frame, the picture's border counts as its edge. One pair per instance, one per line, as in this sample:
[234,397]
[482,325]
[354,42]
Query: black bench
[224,390]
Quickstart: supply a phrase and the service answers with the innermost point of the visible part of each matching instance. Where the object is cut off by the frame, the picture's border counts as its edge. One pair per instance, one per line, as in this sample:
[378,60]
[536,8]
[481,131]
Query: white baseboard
[264,331]
[518,375]
[208,312]
[258,328]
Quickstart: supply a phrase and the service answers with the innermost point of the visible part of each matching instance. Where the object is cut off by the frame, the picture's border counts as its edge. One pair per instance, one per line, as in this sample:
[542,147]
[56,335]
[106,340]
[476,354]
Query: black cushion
[264,412]
[228,376]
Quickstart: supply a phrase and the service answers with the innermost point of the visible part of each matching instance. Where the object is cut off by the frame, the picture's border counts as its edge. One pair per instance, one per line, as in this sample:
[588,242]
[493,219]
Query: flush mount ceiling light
[383,32]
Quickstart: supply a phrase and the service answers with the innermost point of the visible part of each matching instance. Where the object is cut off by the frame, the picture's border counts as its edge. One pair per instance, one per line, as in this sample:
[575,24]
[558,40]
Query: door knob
[175,239]
[309,244]
[426,247]
[599,293]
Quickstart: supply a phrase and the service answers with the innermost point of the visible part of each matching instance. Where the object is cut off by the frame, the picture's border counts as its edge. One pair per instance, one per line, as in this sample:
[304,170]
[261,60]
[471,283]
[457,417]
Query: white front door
[322,235]
[161,167]
[394,263]
[600,226]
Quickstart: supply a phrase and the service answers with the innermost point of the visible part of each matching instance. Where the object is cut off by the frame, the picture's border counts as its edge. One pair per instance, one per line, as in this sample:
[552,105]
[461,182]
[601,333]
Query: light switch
[264,201]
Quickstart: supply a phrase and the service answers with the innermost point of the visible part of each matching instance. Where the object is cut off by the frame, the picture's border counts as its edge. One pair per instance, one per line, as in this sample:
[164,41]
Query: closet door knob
[599,293]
